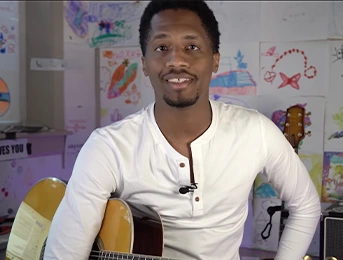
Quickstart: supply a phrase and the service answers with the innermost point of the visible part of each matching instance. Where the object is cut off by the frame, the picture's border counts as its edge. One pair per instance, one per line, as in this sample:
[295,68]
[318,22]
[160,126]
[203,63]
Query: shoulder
[235,114]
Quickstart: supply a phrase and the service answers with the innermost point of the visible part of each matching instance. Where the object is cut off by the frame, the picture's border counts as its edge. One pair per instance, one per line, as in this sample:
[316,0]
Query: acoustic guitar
[128,231]
[294,131]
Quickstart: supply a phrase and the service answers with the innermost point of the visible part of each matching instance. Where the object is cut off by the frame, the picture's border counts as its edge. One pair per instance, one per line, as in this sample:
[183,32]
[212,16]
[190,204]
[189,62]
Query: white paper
[116,102]
[334,106]
[238,72]
[80,120]
[43,64]
[76,21]
[294,68]
[120,23]
[238,21]
[10,97]
[261,219]
[336,20]
[294,21]
[13,149]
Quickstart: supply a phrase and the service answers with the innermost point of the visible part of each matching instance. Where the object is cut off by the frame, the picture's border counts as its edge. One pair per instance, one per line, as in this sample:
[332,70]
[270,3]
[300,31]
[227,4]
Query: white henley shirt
[133,159]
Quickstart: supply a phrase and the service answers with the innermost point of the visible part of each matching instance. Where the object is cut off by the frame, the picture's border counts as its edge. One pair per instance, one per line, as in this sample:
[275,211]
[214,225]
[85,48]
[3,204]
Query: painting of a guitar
[128,231]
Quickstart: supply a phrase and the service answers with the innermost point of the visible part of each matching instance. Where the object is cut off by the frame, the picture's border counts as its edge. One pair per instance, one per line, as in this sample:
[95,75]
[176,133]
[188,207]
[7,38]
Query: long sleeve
[290,178]
[79,216]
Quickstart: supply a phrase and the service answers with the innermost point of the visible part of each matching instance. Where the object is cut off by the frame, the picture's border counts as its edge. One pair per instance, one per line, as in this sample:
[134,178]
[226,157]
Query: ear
[144,67]
[216,58]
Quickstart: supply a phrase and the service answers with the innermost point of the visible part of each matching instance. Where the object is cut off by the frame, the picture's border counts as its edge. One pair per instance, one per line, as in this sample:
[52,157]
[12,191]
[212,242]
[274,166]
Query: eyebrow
[164,36]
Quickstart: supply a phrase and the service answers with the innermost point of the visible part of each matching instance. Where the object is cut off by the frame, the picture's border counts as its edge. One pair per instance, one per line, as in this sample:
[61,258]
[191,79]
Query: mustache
[179,72]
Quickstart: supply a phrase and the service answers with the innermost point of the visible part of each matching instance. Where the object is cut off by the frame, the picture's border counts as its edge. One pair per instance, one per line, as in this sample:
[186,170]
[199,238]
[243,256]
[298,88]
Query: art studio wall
[273,56]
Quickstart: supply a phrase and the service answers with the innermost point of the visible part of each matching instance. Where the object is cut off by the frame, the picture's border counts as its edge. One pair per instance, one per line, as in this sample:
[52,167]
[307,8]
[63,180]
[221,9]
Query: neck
[185,124]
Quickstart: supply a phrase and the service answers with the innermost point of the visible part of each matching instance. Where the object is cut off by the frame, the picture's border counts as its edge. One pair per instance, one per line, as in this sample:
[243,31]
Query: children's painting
[114,23]
[294,21]
[266,226]
[9,97]
[120,74]
[332,177]
[294,68]
[76,21]
[334,106]
[243,101]
[238,72]
[8,37]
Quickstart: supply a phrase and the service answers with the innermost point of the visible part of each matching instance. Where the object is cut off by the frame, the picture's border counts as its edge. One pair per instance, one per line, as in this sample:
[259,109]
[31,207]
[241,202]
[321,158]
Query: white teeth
[176,80]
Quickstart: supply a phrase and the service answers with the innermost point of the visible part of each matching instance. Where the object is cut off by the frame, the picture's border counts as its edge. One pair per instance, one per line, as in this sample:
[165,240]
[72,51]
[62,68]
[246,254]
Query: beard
[182,102]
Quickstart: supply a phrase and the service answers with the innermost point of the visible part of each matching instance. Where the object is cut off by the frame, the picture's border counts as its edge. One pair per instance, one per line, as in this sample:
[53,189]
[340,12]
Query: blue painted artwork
[234,82]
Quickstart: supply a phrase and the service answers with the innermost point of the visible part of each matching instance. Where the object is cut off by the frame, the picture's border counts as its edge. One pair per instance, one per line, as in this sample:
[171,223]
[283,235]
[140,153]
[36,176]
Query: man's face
[179,59]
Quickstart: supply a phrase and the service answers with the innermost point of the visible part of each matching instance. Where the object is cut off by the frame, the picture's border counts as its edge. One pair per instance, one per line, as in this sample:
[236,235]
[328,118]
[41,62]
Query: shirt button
[182,165]
[197,199]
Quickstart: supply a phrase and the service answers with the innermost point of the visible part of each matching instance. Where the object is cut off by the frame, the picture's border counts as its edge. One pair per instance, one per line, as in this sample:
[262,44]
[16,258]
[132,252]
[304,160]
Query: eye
[193,47]
[161,48]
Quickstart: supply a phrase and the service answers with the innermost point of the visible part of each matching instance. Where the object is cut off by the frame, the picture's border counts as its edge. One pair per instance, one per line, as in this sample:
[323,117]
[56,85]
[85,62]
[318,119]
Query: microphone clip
[186,189]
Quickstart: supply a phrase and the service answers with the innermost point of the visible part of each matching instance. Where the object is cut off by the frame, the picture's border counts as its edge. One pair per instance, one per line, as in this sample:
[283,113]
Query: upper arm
[79,216]
[284,169]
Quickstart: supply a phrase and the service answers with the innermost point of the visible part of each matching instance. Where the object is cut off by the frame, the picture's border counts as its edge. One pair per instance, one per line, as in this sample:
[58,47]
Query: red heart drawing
[269,76]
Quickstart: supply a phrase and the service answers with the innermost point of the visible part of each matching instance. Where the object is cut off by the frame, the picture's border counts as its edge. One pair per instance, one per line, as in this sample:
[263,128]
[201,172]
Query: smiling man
[184,139]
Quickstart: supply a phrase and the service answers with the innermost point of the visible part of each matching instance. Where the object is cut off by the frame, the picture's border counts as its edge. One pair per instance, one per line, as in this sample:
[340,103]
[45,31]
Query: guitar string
[100,255]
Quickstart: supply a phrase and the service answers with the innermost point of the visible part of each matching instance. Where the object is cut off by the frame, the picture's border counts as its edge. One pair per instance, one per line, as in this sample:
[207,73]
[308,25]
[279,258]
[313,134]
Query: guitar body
[127,229]
[33,219]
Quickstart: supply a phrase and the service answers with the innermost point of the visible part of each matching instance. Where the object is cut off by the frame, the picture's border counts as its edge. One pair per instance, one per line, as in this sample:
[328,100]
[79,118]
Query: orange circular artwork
[4,97]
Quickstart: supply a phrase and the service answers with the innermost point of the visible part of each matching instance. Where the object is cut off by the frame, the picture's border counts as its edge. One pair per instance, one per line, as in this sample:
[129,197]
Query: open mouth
[179,83]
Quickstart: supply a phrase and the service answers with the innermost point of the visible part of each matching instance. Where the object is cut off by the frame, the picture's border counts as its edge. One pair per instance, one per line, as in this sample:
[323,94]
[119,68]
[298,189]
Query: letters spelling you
[11,149]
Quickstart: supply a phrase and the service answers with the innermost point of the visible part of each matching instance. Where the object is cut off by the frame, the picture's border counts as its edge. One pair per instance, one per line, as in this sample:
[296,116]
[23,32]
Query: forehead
[177,21]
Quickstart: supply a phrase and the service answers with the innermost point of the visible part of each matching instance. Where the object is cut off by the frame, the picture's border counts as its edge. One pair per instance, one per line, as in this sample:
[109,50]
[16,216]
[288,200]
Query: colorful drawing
[338,119]
[314,164]
[332,177]
[122,77]
[132,96]
[8,38]
[234,82]
[76,15]
[309,71]
[5,98]
[271,52]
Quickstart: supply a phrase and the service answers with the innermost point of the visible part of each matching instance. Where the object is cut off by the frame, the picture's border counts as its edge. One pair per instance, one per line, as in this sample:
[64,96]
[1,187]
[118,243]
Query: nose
[177,59]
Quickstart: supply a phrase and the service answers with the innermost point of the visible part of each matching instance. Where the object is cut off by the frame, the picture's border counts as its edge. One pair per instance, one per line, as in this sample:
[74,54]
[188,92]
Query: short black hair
[199,7]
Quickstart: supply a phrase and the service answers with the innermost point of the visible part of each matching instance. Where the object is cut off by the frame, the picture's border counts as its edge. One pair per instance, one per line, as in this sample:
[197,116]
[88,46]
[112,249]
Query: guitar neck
[109,255]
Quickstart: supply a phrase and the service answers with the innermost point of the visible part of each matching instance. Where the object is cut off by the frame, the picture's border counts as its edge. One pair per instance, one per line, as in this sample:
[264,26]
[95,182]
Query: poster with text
[294,68]
[121,91]
[238,72]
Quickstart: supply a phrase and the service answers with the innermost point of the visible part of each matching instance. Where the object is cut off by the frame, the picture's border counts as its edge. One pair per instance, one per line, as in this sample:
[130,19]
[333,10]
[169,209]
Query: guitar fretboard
[109,255]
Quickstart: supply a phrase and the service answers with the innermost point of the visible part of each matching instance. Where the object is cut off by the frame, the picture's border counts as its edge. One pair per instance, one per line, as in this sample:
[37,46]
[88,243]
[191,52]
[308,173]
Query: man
[184,138]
